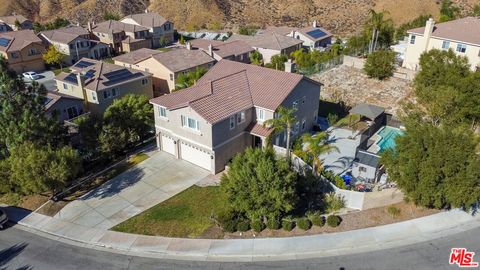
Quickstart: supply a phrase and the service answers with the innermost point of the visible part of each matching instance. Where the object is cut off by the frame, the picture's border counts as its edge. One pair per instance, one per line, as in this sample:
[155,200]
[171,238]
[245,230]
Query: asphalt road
[23,250]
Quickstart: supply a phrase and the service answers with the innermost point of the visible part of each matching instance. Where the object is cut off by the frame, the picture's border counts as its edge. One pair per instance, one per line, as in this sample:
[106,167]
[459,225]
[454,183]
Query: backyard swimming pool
[388,135]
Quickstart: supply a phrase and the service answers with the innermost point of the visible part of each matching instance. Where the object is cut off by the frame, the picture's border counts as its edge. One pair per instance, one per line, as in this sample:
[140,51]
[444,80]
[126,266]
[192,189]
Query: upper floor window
[295,104]
[14,54]
[33,51]
[462,48]
[114,92]
[171,77]
[261,114]
[232,122]
[144,81]
[241,117]
[412,39]
[166,27]
[94,96]
[446,45]
[190,123]
[65,86]
[162,111]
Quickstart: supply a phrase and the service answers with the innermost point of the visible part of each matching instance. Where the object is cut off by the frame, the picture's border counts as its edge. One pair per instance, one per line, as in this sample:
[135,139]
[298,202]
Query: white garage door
[168,144]
[196,156]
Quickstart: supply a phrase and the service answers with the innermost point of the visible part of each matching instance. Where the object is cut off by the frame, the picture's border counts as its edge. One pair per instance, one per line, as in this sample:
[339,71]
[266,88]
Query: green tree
[181,40]
[379,28]
[185,80]
[89,129]
[249,30]
[53,57]
[256,58]
[278,62]
[420,21]
[476,9]
[259,184]
[435,166]
[315,146]
[55,24]
[36,169]
[126,122]
[448,11]
[380,64]
[283,122]
[107,16]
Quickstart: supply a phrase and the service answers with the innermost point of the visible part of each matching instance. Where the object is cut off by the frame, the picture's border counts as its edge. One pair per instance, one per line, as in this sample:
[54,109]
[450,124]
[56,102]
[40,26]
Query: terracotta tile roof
[259,130]
[230,87]
[182,59]
[464,30]
[136,56]
[149,20]
[17,40]
[12,19]
[222,49]
[65,35]
[271,41]
[99,75]
[117,27]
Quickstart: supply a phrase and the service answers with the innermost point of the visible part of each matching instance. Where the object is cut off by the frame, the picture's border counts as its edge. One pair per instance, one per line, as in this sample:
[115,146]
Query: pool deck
[339,162]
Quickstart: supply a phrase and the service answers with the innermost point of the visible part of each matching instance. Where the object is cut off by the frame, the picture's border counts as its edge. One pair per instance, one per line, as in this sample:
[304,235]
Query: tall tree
[448,11]
[53,57]
[190,78]
[315,146]
[260,185]
[380,64]
[379,27]
[283,122]
[277,62]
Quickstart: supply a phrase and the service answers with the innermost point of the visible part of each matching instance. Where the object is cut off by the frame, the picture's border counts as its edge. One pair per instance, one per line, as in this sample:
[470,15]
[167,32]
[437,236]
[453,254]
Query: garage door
[168,144]
[196,156]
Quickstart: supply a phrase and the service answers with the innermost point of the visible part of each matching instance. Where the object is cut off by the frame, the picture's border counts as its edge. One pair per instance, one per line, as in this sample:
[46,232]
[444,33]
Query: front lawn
[188,214]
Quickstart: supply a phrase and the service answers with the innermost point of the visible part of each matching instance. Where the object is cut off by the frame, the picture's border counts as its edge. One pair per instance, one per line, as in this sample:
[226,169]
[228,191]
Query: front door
[257,141]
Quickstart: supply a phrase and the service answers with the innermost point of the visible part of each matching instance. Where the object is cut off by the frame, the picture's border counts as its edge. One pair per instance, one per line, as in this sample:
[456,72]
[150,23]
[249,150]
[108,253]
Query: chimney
[429,26]
[189,46]
[78,23]
[81,84]
[89,26]
[289,66]
[315,24]
[146,10]
[210,50]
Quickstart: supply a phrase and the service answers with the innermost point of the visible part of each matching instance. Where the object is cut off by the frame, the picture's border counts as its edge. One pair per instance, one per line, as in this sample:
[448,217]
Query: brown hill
[343,17]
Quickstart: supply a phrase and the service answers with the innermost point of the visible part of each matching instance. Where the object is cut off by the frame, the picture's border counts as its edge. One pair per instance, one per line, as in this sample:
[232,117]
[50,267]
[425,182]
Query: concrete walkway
[132,192]
[260,249]
[340,161]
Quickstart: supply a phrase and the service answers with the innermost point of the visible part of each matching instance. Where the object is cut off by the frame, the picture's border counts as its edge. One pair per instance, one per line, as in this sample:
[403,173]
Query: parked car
[3,218]
[31,75]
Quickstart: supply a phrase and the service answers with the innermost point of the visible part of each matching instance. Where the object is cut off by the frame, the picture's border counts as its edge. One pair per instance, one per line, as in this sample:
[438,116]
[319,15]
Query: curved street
[20,249]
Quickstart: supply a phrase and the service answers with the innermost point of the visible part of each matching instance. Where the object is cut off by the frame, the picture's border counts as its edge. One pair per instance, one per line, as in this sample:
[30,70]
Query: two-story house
[98,83]
[223,114]
[165,66]
[75,43]
[270,44]
[63,107]
[462,36]
[122,37]
[160,29]
[16,22]
[23,51]
[230,50]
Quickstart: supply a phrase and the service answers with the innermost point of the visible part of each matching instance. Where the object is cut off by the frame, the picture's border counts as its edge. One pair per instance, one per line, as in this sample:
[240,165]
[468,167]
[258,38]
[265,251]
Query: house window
[241,117]
[304,123]
[171,77]
[295,104]
[232,122]
[14,54]
[261,114]
[144,81]
[65,86]
[94,96]
[462,48]
[114,92]
[412,39]
[33,51]
[72,112]
[107,94]
[446,45]
[162,112]
[190,123]
[362,169]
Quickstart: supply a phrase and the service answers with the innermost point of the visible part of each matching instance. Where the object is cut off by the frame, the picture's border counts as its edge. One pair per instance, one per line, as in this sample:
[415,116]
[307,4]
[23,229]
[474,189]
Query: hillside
[343,17]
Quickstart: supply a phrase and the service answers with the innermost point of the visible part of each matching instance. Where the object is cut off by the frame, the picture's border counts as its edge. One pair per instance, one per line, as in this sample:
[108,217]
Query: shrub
[257,225]
[288,224]
[227,220]
[333,202]
[317,219]
[230,226]
[380,64]
[273,223]
[243,226]
[304,224]
[393,211]
[333,221]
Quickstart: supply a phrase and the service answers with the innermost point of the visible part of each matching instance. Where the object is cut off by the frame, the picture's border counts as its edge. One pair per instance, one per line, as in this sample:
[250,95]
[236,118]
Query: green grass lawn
[185,215]
[164,49]
[58,71]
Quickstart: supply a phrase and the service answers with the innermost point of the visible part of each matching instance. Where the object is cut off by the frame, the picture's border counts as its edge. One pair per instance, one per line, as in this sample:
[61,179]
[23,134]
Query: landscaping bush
[230,226]
[243,226]
[393,211]
[304,224]
[333,202]
[333,221]
[227,220]
[317,219]
[288,224]
[257,225]
[380,64]
[273,223]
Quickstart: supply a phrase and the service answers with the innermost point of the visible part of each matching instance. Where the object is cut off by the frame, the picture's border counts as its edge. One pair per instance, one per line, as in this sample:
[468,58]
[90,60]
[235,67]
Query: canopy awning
[368,110]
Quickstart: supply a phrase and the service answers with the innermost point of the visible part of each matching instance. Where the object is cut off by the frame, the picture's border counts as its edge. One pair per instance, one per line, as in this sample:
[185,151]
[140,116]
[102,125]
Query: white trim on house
[183,138]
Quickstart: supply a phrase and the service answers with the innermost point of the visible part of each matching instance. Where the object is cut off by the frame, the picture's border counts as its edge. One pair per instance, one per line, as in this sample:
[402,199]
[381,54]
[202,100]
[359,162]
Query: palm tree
[284,121]
[315,146]
[376,22]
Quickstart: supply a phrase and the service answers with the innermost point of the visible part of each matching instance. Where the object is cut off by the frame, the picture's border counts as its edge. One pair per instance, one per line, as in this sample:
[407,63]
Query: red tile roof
[259,130]
[464,30]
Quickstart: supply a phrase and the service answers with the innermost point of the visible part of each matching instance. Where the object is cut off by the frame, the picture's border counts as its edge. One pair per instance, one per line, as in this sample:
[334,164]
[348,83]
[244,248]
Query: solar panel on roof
[4,42]
[316,33]
[71,78]
[83,64]
[90,74]
[121,76]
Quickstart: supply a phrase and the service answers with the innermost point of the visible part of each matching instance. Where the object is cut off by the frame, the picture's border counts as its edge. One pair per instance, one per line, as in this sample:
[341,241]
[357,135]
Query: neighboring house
[122,37]
[16,22]
[462,36]
[165,66]
[313,37]
[75,43]
[62,106]
[231,50]
[23,51]
[160,29]
[3,27]
[223,114]
[98,83]
[270,44]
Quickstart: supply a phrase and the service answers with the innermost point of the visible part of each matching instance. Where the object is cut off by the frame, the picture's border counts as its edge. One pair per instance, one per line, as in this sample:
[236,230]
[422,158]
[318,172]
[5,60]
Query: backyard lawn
[188,214]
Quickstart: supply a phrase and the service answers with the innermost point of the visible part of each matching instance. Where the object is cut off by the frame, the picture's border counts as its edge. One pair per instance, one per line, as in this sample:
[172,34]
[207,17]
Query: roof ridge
[278,42]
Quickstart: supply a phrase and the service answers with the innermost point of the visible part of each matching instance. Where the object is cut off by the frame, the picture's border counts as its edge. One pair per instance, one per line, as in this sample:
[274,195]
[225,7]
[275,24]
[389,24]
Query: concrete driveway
[341,161]
[132,192]
[47,79]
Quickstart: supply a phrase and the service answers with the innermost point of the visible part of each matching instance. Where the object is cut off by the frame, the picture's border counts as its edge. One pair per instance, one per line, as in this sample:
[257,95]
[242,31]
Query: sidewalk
[260,249]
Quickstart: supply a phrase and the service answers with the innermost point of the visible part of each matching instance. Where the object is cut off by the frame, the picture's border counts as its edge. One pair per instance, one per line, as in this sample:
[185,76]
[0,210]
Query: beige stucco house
[98,84]
[15,23]
[223,114]
[75,43]
[122,37]
[165,66]
[462,36]
[23,51]
[270,44]
[160,28]
[229,50]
